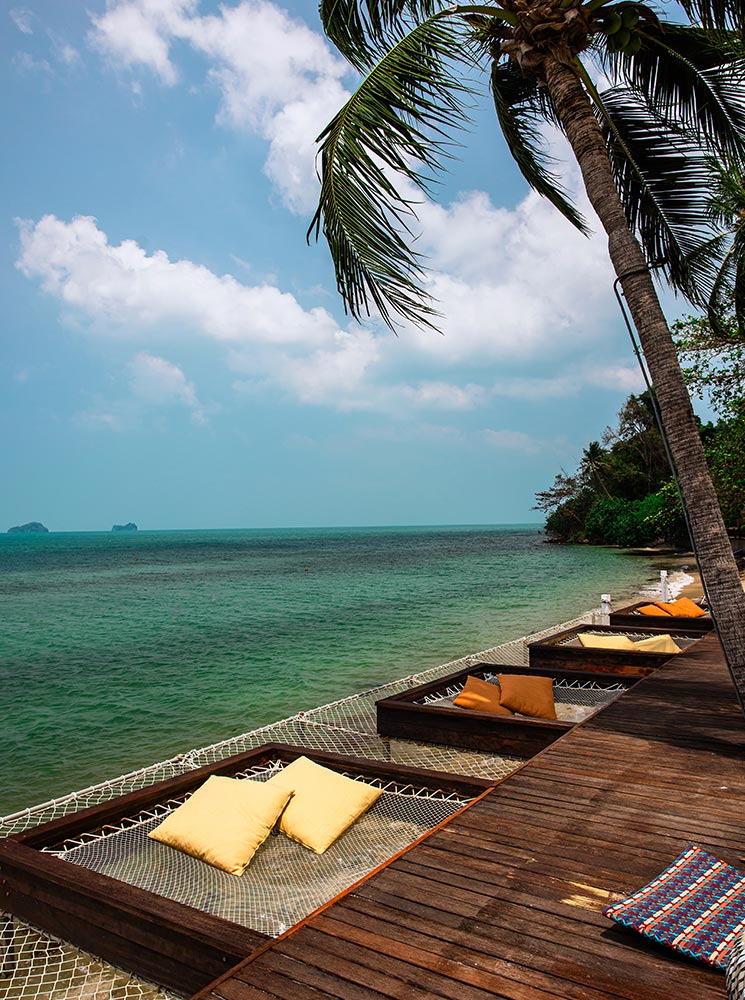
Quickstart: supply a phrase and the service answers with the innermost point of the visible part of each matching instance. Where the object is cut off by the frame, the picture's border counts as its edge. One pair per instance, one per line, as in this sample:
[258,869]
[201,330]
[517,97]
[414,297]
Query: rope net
[36,966]
[574,700]
[683,641]
[285,881]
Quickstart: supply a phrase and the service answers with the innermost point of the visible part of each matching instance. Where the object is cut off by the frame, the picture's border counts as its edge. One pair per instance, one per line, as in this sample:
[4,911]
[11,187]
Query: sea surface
[118,650]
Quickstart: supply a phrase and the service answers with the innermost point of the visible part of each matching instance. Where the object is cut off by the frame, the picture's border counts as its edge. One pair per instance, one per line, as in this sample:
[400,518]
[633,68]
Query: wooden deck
[506,900]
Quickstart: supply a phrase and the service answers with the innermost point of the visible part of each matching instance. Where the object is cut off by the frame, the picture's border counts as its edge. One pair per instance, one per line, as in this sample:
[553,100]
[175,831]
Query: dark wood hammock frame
[629,617]
[177,946]
[553,651]
[400,716]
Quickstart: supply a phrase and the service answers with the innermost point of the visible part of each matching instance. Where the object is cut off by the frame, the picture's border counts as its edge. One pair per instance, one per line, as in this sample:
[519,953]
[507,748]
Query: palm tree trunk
[718,568]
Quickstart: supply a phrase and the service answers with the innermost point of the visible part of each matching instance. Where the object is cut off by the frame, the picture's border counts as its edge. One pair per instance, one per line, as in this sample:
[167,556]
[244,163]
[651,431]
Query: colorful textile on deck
[696,906]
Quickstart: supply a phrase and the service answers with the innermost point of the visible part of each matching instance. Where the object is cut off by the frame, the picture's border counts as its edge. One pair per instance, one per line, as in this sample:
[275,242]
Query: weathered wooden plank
[506,900]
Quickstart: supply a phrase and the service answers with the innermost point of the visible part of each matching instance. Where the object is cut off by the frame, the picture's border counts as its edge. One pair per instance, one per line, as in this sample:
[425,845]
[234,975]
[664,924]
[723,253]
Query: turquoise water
[118,650]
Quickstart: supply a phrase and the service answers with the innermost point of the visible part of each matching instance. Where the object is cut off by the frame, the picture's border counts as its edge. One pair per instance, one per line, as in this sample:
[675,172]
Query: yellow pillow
[684,607]
[224,822]
[324,804]
[605,641]
[652,609]
[528,695]
[658,644]
[481,696]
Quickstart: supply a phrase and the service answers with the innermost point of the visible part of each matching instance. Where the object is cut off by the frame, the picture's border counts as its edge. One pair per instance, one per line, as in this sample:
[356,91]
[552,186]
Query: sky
[174,353]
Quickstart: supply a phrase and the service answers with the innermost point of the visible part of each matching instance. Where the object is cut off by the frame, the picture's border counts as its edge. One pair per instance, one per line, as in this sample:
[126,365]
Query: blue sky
[175,354]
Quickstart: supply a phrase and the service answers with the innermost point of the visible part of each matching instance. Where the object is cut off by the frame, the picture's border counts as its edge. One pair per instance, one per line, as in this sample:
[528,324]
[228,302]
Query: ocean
[118,650]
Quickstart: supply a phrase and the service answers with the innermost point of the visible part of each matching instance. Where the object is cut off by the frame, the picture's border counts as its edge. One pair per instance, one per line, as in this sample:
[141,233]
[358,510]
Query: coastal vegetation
[672,97]
[622,492]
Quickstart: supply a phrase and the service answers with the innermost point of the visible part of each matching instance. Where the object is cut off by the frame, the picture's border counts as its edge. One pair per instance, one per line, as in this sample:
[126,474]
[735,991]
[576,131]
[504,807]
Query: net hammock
[683,641]
[285,881]
[574,700]
[36,966]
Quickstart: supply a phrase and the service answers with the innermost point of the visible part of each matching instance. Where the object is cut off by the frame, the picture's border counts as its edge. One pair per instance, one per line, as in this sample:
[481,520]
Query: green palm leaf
[693,78]
[518,105]
[360,28]
[721,15]
[399,121]
[727,211]
[662,179]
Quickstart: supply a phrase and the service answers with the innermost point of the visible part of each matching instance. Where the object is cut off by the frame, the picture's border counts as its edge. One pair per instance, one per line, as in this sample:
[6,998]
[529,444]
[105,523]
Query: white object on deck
[664,592]
[605,609]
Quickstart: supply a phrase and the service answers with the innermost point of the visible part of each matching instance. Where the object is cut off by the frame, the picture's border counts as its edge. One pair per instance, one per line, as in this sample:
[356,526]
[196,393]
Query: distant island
[32,527]
[124,527]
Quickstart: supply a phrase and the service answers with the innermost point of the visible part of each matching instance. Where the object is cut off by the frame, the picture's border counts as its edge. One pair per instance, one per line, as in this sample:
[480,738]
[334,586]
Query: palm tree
[676,97]
[726,294]
[593,461]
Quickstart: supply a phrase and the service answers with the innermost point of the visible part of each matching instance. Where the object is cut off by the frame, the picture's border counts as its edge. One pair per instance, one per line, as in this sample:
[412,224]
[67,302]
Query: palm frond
[662,180]
[728,292]
[518,105]
[360,28]
[740,282]
[399,121]
[692,77]
[719,15]
[726,212]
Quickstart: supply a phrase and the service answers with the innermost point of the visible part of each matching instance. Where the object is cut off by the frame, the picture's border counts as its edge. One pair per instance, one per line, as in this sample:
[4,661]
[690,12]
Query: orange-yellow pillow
[528,695]
[652,609]
[481,696]
[684,607]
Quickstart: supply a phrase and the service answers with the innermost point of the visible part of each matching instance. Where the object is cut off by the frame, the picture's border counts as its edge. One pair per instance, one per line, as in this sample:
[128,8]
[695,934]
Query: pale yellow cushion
[606,641]
[658,644]
[224,822]
[324,804]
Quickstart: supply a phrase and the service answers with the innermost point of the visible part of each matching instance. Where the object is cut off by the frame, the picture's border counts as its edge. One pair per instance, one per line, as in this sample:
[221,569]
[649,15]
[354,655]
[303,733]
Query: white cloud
[138,33]
[101,419]
[512,284]
[25,63]
[67,54]
[619,377]
[513,309]
[624,378]
[123,289]
[277,78]
[156,381]
[22,19]
[513,441]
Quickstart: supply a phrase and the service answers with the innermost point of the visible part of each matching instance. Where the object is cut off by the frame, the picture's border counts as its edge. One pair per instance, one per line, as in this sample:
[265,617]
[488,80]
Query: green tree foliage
[713,356]
[713,359]
[623,493]
[725,452]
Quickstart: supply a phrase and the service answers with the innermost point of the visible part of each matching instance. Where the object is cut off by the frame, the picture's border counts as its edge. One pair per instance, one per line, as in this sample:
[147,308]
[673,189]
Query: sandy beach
[695,589]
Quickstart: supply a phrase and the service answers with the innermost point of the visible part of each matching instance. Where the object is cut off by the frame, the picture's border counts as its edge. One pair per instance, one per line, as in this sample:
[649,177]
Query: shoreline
[695,589]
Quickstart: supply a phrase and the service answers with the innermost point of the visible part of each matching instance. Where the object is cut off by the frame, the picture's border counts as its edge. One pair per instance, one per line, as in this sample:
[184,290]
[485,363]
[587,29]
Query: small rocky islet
[30,528]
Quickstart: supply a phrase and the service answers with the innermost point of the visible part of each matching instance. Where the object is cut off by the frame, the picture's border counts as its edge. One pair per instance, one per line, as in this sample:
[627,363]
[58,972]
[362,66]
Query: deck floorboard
[505,901]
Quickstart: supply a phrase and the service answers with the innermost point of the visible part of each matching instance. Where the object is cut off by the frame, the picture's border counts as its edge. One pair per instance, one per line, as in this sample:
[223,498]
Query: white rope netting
[683,641]
[35,966]
[285,881]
